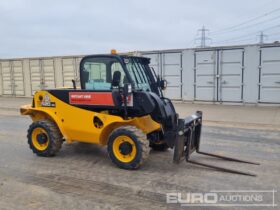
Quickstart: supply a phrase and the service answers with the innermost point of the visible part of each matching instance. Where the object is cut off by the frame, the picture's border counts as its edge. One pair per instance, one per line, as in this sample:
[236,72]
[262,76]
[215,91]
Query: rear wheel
[128,147]
[44,138]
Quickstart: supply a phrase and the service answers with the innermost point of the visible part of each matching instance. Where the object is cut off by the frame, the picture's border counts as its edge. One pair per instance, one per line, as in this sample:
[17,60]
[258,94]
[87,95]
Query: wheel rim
[40,139]
[124,149]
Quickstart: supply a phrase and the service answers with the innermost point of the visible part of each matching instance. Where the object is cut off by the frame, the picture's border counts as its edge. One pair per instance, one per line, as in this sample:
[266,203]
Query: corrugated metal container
[235,74]
[22,77]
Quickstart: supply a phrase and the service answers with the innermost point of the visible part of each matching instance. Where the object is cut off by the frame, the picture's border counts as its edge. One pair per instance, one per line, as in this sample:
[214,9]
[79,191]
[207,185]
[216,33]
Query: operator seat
[116,79]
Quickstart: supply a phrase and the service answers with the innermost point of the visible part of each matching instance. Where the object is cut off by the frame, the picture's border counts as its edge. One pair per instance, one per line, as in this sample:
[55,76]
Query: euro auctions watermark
[224,198]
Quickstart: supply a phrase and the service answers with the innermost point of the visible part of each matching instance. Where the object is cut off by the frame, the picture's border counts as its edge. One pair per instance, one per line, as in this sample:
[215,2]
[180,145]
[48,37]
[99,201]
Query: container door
[205,76]
[172,73]
[69,71]
[7,78]
[18,78]
[230,76]
[269,90]
[35,75]
[48,74]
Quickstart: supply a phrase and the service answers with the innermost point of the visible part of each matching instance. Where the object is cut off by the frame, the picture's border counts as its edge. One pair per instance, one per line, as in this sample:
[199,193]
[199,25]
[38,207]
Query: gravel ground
[81,176]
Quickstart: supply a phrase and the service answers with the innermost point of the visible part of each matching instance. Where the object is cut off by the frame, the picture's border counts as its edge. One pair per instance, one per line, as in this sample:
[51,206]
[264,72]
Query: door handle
[223,82]
[277,82]
[209,82]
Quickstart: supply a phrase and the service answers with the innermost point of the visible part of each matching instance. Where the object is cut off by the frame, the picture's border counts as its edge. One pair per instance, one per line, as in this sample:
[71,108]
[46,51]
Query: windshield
[138,73]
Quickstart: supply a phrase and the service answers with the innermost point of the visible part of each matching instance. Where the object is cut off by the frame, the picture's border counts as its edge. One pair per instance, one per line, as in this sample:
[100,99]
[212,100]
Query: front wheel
[128,147]
[44,138]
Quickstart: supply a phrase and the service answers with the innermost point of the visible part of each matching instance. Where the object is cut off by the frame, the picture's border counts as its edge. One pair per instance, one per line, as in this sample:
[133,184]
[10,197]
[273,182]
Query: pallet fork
[188,141]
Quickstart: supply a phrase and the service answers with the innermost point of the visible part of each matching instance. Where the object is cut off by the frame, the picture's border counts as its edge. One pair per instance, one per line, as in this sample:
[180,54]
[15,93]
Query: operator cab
[106,72]
[127,78]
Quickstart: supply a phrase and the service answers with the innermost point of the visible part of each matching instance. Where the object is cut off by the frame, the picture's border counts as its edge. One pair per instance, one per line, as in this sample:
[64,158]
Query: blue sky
[32,28]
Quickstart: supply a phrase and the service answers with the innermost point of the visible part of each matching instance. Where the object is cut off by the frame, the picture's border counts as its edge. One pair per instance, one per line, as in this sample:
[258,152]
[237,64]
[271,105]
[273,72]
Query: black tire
[159,147]
[53,135]
[141,144]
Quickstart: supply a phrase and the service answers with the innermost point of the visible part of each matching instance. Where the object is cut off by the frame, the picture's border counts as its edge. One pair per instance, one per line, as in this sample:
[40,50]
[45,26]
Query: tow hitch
[188,141]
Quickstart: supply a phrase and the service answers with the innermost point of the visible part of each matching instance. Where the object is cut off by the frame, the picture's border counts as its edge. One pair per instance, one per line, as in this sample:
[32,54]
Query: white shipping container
[235,74]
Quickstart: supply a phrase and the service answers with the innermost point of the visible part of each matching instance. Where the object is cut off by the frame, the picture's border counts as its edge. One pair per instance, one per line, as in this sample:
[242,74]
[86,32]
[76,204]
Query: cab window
[97,73]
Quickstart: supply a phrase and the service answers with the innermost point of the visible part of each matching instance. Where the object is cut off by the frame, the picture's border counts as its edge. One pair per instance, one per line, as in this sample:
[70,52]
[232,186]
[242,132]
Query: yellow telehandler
[120,104]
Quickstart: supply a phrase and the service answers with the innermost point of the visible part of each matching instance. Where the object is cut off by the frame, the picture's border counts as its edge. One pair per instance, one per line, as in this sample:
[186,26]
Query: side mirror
[127,89]
[163,84]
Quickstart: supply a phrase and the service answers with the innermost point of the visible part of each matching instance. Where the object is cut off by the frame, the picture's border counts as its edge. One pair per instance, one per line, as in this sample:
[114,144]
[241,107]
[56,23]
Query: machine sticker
[46,102]
[90,98]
